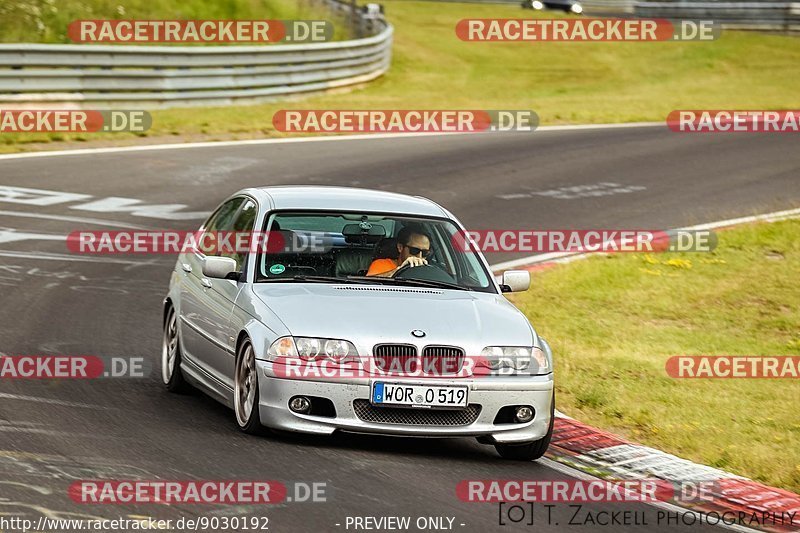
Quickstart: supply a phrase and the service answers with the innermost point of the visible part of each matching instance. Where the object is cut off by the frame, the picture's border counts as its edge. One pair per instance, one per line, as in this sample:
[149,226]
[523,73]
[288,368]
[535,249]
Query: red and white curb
[743,503]
[596,453]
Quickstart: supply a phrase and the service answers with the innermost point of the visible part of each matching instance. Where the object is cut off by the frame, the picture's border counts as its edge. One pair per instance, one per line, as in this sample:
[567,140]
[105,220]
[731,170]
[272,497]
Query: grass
[46,21]
[614,320]
[431,68]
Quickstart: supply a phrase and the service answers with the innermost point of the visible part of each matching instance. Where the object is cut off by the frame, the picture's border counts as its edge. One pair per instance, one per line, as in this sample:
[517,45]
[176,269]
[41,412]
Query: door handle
[205,283]
[186,267]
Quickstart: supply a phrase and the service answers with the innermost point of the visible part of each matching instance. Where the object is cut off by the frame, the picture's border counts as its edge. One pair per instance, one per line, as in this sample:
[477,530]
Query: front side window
[221,220]
[244,222]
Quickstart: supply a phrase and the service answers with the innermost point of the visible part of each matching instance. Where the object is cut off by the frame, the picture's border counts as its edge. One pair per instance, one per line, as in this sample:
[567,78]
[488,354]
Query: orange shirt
[380,266]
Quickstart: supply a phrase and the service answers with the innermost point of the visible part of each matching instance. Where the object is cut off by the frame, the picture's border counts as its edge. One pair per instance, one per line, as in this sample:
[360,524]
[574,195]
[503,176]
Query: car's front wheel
[246,390]
[171,373]
[530,451]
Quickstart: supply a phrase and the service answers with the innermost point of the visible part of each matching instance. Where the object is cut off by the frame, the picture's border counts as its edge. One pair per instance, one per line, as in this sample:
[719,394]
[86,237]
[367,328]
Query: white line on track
[83,220]
[80,258]
[565,257]
[38,431]
[292,140]
[39,399]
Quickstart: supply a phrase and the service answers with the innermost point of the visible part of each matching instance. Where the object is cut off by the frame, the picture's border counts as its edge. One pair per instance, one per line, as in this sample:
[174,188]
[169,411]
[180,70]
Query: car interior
[350,255]
[335,247]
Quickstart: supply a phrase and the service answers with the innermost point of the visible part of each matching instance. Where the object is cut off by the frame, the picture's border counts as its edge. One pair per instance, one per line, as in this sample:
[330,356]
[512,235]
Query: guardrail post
[354,19]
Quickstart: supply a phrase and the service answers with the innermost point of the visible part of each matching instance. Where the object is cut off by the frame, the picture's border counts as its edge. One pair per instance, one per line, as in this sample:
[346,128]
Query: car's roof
[345,199]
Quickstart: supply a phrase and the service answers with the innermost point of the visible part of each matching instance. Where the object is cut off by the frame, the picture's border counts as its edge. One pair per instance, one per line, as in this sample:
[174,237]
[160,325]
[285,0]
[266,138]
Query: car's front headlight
[516,360]
[312,349]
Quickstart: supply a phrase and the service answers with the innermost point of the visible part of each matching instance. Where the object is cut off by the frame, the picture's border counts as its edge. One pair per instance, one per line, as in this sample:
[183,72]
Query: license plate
[418,395]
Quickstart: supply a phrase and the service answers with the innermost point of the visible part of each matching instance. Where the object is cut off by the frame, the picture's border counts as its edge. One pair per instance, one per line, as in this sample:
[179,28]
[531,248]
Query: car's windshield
[349,247]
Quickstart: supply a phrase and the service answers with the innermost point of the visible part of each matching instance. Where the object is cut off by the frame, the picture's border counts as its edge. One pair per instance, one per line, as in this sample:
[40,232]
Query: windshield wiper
[431,283]
[368,279]
[412,282]
[313,279]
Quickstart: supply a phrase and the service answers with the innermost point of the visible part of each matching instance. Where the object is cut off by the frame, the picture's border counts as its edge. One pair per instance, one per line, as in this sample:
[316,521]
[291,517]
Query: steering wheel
[429,272]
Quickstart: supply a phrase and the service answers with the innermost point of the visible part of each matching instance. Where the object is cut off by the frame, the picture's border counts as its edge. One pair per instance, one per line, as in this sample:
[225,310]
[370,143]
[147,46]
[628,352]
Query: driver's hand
[413,261]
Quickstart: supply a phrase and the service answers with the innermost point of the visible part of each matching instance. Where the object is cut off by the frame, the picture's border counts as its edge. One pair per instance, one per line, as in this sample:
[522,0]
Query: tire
[530,451]
[245,391]
[171,373]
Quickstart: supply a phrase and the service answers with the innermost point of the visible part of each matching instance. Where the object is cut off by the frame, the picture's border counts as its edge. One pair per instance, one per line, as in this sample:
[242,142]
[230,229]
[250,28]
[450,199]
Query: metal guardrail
[745,15]
[170,76]
[608,7]
[783,16]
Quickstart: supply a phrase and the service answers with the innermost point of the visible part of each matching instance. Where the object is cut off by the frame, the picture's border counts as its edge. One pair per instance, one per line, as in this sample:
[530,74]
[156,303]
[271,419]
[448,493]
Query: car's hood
[370,314]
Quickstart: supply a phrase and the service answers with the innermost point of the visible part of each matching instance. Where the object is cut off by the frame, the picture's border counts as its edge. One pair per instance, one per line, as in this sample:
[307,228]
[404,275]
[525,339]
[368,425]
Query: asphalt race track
[54,432]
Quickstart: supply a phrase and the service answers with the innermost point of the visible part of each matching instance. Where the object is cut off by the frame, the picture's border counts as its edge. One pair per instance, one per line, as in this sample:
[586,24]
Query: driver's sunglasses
[413,250]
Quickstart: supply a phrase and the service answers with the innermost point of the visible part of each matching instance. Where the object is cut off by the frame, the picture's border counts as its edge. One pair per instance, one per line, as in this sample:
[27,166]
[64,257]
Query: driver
[413,246]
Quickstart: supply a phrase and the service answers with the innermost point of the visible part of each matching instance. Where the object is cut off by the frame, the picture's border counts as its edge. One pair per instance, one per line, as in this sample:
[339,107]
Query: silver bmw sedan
[342,309]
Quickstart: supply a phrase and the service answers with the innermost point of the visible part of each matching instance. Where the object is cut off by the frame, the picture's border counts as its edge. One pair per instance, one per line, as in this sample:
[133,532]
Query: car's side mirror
[218,267]
[515,281]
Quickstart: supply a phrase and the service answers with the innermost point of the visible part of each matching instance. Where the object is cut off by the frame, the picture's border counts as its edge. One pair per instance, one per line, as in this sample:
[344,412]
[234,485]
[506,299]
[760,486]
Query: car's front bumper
[490,393]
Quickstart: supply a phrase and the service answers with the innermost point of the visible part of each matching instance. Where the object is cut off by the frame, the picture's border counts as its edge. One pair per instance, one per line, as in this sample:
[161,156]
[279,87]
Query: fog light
[524,414]
[300,404]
